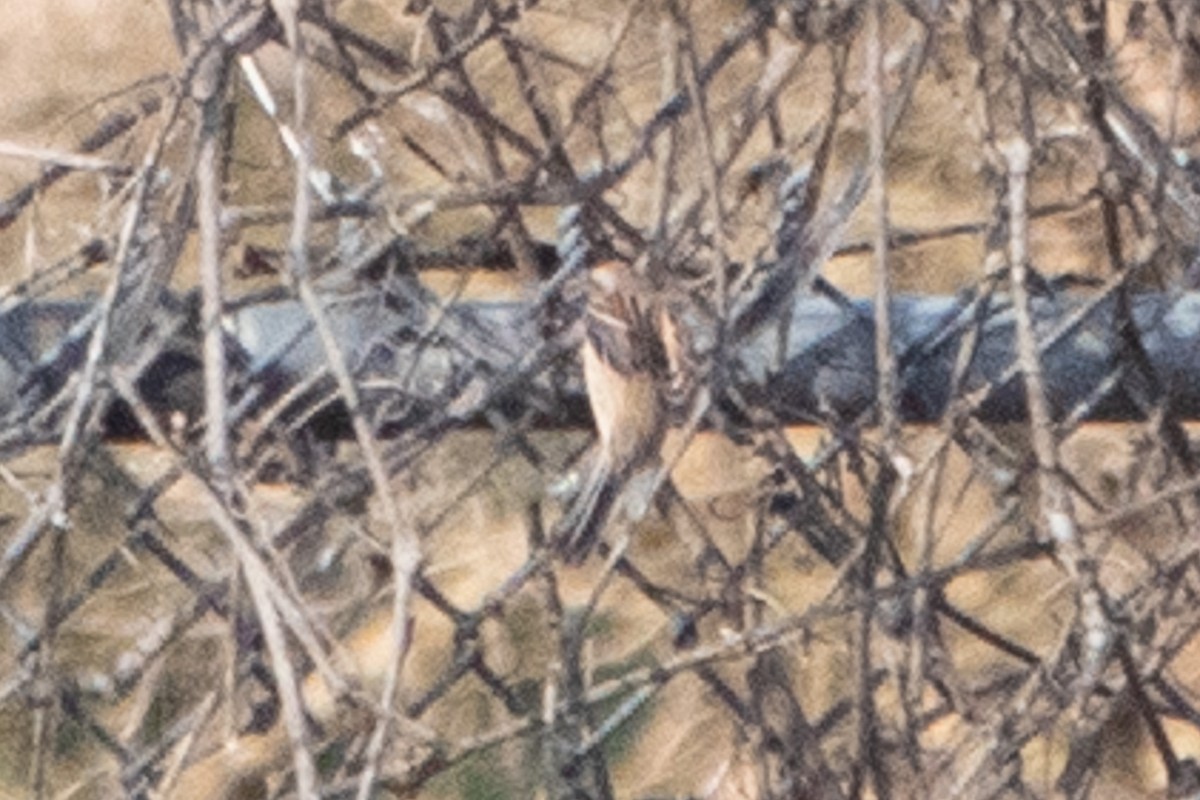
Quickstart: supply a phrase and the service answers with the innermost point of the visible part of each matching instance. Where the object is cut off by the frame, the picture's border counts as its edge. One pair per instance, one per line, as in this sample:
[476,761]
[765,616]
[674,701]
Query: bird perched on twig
[630,351]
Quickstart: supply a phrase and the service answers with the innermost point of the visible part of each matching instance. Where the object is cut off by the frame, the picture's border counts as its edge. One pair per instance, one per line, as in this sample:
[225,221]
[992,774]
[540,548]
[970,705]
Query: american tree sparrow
[629,351]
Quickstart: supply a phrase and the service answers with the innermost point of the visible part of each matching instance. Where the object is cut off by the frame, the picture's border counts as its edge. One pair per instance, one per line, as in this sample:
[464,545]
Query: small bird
[629,350]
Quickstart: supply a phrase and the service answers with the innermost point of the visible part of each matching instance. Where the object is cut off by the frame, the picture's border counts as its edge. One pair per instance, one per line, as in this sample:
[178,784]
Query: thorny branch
[858,609]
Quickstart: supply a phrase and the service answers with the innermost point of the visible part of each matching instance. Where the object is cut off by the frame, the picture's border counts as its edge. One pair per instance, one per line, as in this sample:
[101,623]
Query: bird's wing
[626,336]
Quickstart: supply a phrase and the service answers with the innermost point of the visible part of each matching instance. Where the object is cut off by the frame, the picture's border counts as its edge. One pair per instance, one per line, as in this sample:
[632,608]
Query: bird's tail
[577,533]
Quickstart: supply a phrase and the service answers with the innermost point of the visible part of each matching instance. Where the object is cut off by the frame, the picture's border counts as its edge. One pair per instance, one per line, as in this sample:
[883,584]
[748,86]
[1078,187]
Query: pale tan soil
[686,742]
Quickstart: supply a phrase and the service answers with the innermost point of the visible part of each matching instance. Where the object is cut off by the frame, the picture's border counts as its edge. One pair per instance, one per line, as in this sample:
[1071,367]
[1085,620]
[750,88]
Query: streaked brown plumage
[627,369]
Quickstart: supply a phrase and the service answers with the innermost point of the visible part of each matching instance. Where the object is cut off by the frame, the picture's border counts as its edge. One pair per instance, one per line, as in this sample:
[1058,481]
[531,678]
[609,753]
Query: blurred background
[938,647]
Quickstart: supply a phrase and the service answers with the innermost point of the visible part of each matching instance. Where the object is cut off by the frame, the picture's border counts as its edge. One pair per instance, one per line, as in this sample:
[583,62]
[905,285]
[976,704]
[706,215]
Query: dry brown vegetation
[1007,611]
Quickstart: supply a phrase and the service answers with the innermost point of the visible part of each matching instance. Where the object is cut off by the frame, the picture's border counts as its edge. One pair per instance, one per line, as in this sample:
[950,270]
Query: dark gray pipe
[412,352]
